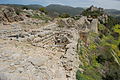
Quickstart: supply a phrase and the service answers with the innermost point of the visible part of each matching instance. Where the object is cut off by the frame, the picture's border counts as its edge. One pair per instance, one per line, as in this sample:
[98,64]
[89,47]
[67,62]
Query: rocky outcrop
[103,19]
[83,24]
[8,14]
[2,17]
[93,8]
[94,26]
[67,22]
[11,15]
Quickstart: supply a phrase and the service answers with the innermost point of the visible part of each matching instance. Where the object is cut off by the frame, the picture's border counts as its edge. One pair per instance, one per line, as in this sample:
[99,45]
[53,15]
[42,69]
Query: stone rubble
[31,51]
[38,54]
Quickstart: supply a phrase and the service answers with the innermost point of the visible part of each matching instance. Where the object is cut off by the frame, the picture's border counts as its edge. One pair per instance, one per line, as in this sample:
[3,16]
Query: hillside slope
[38,48]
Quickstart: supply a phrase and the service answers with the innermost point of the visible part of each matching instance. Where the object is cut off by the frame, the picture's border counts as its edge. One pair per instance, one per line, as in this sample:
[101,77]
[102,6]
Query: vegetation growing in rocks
[102,57]
[41,17]
[116,28]
[93,14]
[51,48]
[64,15]
[112,21]
[99,57]
[43,10]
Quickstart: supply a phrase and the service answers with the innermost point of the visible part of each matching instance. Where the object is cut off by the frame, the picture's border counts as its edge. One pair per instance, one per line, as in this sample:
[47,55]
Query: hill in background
[113,12]
[31,6]
[55,9]
[60,9]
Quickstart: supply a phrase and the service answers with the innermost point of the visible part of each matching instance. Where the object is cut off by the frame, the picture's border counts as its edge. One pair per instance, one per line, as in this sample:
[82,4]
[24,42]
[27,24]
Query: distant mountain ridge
[31,6]
[64,9]
[55,9]
[113,12]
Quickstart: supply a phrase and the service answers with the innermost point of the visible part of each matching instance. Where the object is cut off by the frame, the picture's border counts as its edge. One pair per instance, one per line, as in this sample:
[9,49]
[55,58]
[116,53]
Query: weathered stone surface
[103,18]
[94,26]
[3,77]
[39,60]
[43,63]
[68,22]
[8,14]
[2,17]
[29,51]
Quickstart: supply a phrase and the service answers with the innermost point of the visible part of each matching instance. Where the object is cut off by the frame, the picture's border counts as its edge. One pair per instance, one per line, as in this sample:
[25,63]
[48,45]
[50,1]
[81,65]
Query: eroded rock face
[2,17]
[83,24]
[94,26]
[67,22]
[83,20]
[8,14]
[103,18]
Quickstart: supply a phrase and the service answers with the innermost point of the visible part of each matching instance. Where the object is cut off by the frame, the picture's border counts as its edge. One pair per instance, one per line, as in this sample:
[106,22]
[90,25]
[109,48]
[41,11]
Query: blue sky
[109,4]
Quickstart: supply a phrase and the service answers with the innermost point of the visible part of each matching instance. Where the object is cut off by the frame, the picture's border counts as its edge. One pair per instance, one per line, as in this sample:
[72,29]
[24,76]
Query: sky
[108,4]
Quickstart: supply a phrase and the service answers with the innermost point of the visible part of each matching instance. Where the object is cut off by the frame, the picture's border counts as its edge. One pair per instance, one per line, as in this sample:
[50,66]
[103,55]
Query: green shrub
[42,17]
[93,14]
[116,28]
[43,10]
[119,46]
[24,7]
[115,35]
[65,15]
[101,27]
[80,76]
[76,17]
